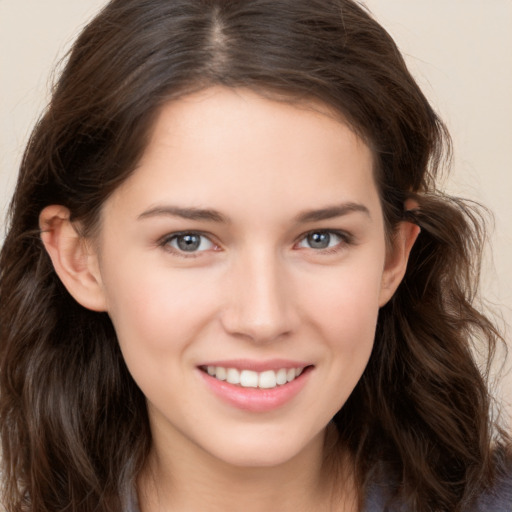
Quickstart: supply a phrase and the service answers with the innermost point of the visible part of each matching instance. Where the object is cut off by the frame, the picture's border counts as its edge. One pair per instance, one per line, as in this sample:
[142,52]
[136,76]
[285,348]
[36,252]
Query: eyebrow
[209,215]
[331,212]
[185,213]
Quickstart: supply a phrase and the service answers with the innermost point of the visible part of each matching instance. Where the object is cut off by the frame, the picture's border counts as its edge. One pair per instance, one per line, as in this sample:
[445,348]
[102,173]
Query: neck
[197,481]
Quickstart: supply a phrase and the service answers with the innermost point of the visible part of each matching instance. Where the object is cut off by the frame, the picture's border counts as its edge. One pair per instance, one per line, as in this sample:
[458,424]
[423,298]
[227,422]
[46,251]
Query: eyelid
[165,240]
[346,238]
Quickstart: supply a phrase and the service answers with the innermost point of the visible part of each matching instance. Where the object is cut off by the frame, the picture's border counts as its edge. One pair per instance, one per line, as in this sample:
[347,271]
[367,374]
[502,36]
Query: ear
[398,256]
[74,261]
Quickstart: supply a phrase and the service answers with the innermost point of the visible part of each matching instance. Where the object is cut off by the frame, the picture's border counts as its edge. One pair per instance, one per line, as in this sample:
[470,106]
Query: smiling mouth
[267,379]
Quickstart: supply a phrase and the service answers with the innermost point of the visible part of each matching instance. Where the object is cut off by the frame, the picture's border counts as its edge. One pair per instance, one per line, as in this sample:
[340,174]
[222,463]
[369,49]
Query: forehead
[225,148]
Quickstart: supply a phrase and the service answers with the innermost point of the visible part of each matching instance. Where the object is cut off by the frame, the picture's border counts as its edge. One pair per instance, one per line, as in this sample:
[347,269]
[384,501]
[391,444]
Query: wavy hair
[73,423]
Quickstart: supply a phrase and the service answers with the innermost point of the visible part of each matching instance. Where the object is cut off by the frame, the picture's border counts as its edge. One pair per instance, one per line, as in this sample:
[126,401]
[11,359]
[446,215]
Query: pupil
[189,242]
[319,240]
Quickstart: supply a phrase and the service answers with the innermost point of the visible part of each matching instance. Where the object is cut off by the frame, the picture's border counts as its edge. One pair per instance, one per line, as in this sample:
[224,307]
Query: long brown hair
[73,423]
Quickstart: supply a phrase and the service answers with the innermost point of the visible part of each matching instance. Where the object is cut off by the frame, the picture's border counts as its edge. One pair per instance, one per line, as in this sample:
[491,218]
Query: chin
[263,450]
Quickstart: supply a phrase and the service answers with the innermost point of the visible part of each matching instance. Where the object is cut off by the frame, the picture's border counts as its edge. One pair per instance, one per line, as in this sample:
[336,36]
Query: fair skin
[250,237]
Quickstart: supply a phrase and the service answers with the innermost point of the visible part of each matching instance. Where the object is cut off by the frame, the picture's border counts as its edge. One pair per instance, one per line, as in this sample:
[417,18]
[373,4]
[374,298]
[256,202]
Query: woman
[229,280]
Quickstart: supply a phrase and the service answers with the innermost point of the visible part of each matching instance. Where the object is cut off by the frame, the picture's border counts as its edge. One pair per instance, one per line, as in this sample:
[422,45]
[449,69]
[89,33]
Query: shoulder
[130,500]
[497,499]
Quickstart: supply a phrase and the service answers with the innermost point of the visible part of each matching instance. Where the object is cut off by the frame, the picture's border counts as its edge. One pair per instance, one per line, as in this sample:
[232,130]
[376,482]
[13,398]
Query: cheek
[157,309]
[341,319]
[349,300]
[345,313]
[348,325]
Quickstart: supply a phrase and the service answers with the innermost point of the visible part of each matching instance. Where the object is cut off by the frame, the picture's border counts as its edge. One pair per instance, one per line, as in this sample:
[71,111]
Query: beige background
[459,50]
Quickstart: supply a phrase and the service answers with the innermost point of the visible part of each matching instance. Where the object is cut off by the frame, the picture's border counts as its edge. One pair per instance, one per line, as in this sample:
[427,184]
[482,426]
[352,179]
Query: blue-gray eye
[190,242]
[320,240]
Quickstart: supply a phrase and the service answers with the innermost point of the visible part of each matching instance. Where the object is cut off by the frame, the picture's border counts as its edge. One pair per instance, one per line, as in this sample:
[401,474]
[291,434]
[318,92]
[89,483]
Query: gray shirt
[499,500]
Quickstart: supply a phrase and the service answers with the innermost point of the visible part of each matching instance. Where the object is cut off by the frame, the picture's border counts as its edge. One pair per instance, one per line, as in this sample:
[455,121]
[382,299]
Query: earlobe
[396,261]
[74,262]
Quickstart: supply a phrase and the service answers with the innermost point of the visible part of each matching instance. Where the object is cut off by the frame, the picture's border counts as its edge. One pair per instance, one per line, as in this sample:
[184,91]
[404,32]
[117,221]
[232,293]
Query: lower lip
[256,399]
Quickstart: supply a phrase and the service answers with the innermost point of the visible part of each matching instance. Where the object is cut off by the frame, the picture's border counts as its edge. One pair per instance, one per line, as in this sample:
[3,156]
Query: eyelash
[167,239]
[346,239]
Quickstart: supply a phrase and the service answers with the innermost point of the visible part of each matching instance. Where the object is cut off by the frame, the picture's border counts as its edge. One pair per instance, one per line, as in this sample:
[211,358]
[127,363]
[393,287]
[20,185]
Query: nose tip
[260,331]
[259,307]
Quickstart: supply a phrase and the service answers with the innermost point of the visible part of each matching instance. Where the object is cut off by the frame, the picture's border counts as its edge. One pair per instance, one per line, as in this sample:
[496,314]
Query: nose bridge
[259,304]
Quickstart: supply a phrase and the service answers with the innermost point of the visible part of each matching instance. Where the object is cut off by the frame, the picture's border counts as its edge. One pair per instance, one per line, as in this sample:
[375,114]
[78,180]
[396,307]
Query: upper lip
[257,366]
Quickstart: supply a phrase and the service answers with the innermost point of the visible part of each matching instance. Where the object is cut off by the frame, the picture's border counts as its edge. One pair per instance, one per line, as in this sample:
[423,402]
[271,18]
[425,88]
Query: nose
[259,299]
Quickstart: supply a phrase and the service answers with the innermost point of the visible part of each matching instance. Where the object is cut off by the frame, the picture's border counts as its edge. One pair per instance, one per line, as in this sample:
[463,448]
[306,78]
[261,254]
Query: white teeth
[233,376]
[250,379]
[281,377]
[267,379]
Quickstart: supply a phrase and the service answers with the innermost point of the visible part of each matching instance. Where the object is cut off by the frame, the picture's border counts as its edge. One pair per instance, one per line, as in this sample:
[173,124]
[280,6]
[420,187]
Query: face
[243,265]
